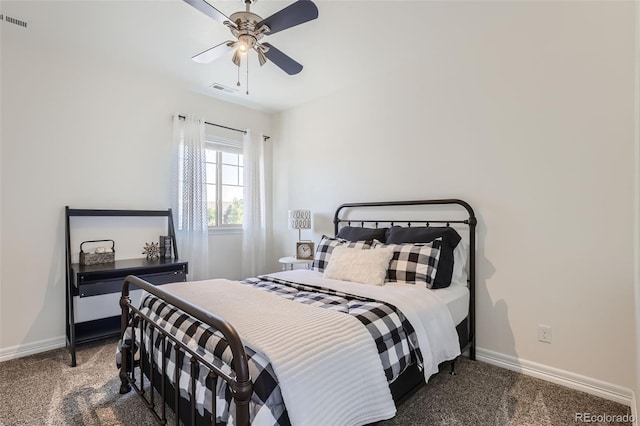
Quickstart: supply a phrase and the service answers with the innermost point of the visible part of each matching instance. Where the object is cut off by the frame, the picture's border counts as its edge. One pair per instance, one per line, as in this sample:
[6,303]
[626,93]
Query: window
[224,183]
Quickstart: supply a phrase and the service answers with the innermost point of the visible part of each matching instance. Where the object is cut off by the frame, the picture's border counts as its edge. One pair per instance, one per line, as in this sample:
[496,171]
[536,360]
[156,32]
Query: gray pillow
[354,233]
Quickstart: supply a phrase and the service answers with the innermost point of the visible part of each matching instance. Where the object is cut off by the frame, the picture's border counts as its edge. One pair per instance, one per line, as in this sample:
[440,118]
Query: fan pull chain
[247,73]
[238,83]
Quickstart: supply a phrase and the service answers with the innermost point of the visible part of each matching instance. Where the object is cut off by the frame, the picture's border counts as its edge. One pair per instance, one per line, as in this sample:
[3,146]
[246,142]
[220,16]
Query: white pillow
[360,266]
[459,275]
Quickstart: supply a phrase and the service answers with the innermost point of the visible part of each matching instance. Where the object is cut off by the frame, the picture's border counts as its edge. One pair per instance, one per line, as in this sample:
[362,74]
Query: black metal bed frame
[241,385]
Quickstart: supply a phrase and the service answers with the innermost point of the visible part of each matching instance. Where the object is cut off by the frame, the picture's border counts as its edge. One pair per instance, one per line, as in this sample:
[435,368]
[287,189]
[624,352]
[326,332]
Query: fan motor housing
[245,20]
[246,30]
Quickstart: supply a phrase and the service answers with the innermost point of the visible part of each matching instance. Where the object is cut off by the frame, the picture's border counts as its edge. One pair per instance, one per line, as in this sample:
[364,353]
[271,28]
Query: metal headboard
[471,222]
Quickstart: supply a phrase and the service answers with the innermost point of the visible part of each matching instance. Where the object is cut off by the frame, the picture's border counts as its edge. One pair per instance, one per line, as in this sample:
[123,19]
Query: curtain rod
[265,137]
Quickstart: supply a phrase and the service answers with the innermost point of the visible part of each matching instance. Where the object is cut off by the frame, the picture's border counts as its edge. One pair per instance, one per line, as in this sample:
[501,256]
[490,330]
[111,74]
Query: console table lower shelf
[97,285]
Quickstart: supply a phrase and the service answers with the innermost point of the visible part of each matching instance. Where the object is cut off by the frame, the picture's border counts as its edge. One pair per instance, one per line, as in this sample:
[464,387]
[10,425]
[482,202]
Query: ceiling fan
[249,28]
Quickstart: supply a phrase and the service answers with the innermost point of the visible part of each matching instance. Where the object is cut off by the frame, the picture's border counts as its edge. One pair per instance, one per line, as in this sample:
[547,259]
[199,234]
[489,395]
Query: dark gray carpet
[482,394]
[43,390]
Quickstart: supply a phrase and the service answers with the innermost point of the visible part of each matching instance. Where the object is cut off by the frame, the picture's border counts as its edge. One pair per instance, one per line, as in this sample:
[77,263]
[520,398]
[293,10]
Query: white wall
[526,111]
[81,131]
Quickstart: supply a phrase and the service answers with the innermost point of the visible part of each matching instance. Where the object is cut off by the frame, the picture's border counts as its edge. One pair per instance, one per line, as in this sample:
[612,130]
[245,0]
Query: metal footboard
[241,386]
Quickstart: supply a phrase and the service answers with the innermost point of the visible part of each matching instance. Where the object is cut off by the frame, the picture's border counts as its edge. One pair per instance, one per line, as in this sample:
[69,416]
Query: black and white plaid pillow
[326,246]
[413,263]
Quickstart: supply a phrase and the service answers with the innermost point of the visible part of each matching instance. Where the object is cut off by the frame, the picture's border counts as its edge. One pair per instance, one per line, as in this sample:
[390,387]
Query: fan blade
[211,11]
[292,15]
[214,53]
[283,61]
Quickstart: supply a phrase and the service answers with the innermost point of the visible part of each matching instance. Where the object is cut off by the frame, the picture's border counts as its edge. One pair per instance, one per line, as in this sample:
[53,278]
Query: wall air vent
[14,21]
[223,88]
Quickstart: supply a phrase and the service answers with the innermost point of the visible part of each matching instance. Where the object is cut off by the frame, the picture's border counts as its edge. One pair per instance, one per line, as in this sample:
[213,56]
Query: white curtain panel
[190,195]
[254,235]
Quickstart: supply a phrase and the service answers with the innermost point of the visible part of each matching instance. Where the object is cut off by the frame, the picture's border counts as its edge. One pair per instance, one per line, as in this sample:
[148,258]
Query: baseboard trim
[561,377]
[19,351]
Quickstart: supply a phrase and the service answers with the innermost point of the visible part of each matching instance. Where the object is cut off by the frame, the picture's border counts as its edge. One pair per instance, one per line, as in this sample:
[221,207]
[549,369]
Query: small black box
[165,247]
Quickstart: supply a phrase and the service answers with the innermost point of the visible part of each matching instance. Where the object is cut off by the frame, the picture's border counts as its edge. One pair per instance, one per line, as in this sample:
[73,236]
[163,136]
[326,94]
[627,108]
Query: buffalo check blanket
[393,335]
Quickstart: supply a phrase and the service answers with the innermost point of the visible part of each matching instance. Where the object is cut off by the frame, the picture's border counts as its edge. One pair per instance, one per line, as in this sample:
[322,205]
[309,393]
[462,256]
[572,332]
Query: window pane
[229,165]
[210,156]
[231,205]
[230,175]
[211,205]
[228,158]
[211,173]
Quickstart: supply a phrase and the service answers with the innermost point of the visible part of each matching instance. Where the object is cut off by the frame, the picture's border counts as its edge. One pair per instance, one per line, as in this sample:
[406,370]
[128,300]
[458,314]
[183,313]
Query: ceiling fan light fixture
[246,42]
[236,57]
[262,59]
[249,28]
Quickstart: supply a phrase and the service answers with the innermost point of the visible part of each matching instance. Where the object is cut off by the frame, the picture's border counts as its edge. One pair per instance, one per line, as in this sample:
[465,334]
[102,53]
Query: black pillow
[426,234]
[354,233]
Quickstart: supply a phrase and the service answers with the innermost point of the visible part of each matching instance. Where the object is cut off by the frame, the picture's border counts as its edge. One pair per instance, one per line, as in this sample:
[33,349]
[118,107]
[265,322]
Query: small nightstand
[290,261]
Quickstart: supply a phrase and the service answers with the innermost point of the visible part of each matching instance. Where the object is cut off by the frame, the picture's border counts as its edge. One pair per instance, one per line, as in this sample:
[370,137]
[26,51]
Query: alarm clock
[304,250]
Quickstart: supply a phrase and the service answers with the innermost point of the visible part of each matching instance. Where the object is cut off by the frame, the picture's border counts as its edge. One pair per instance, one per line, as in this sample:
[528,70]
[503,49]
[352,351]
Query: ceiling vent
[223,88]
[14,21]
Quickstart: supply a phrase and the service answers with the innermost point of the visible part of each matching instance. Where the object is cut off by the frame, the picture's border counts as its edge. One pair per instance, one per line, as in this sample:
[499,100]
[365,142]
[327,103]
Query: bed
[233,350]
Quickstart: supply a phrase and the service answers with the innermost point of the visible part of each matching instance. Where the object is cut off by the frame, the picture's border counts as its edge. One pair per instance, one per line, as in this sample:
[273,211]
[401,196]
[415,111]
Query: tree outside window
[224,186]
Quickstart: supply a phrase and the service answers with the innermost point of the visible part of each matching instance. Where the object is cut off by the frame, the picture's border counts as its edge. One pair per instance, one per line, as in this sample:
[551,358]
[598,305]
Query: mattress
[456,297]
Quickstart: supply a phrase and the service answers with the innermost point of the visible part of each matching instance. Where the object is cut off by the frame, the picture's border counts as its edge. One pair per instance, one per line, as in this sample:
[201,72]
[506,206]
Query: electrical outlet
[544,333]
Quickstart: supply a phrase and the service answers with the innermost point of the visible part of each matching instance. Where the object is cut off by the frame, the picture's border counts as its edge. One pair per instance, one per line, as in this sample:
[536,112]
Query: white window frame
[220,146]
